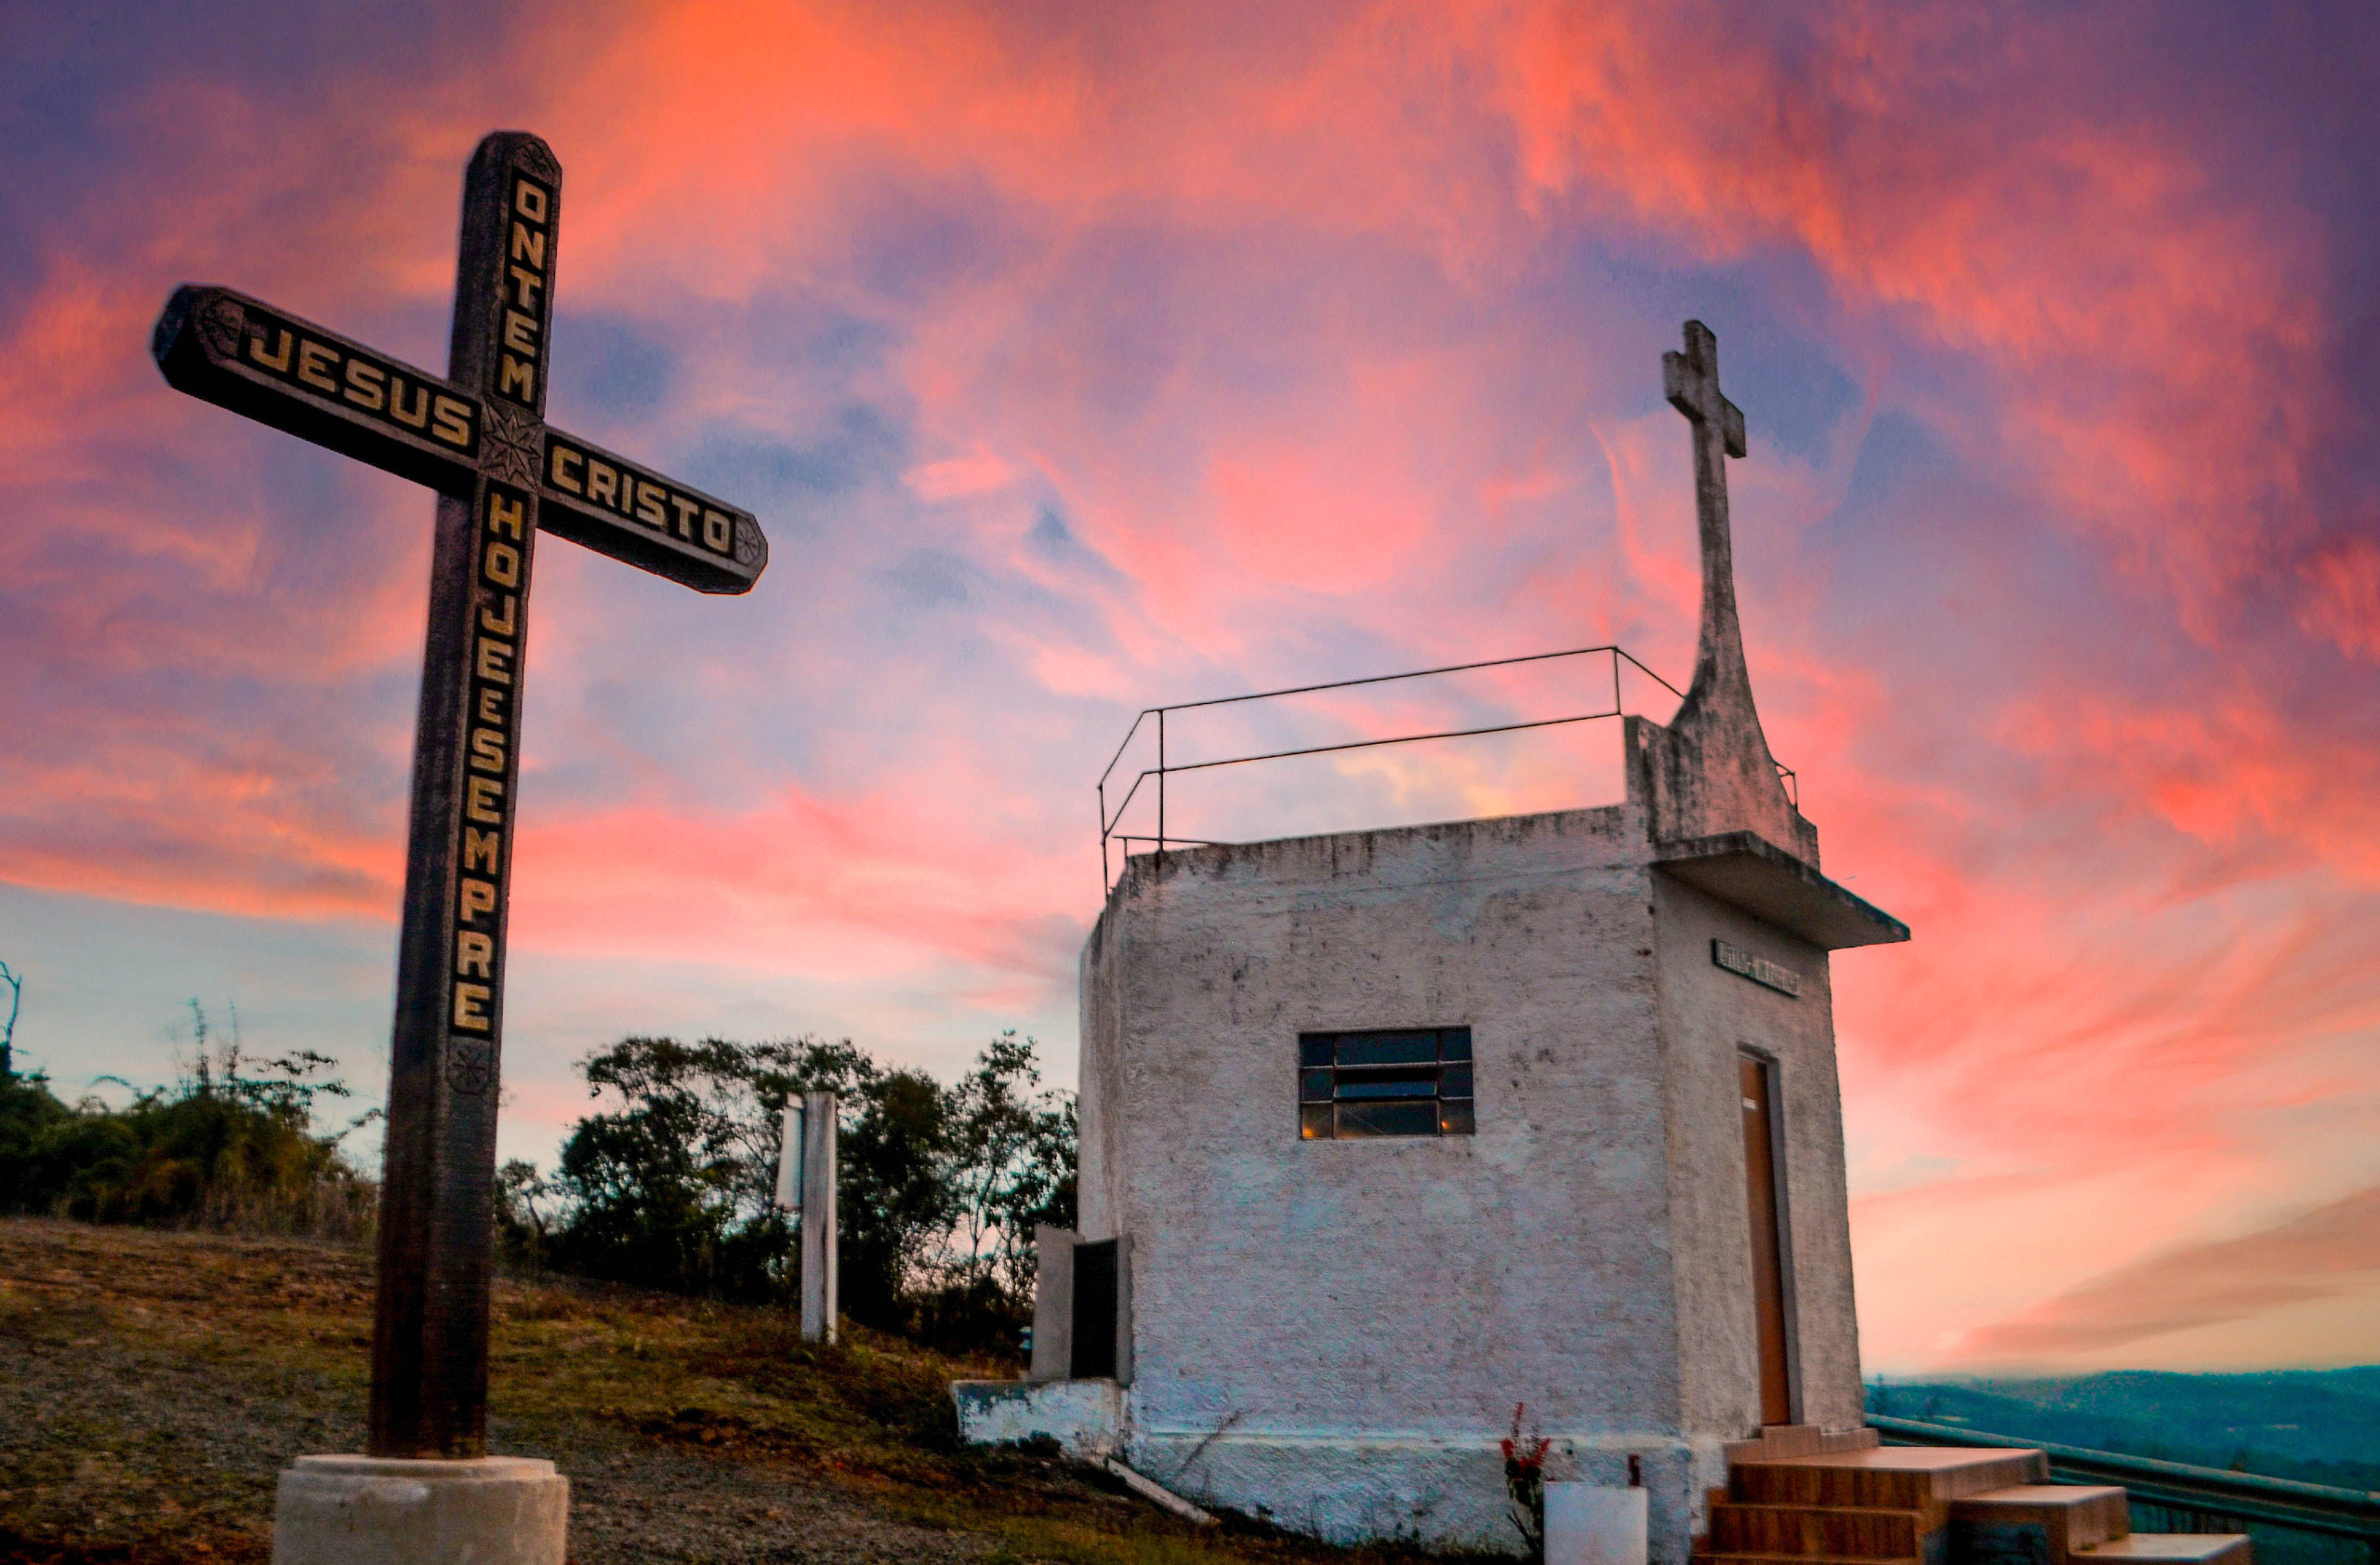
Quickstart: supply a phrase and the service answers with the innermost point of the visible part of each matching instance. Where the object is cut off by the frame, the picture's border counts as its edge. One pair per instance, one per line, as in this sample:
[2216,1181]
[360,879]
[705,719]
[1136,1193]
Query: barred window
[1410,1082]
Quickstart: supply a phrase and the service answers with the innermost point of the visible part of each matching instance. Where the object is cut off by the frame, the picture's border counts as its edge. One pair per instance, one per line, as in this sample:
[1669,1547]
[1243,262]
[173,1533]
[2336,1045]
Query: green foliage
[34,1128]
[2315,1425]
[230,1145]
[940,1187]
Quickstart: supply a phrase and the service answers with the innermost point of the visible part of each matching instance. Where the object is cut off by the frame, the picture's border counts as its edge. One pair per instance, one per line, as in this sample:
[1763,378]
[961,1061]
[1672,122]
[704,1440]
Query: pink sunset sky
[1082,357]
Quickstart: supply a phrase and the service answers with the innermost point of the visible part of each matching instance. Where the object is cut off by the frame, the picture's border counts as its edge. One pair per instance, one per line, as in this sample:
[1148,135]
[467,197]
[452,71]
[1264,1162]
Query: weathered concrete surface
[821,1254]
[1709,773]
[1053,1302]
[1423,1285]
[1748,871]
[377,1510]
[1709,1015]
[1085,1416]
[1592,1524]
[1333,1331]
[1386,1484]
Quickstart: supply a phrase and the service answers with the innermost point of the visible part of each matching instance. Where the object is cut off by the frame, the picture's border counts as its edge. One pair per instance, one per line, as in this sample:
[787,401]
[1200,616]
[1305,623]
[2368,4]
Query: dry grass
[153,1384]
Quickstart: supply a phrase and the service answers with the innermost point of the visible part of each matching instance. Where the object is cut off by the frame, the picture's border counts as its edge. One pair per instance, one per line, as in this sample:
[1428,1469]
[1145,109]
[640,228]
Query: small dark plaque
[1759,969]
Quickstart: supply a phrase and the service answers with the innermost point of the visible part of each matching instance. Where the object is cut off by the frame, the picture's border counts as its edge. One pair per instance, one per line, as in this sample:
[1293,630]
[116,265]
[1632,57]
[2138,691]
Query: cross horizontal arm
[265,364]
[1691,381]
[614,506]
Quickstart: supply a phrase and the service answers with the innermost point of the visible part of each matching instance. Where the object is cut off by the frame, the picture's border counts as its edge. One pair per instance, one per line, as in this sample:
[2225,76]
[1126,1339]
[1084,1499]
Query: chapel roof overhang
[1750,872]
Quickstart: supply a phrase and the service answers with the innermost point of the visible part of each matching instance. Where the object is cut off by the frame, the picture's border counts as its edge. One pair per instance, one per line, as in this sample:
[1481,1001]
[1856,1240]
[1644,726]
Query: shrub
[230,1145]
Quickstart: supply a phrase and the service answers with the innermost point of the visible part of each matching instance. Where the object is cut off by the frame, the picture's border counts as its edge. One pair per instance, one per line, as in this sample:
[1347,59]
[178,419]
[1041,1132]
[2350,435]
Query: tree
[939,1186]
[1012,1164]
[895,1203]
[521,1237]
[665,1189]
[8,1033]
[33,1126]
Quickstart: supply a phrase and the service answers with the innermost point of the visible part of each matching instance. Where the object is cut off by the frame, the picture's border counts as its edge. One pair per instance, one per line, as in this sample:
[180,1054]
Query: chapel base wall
[1433,1492]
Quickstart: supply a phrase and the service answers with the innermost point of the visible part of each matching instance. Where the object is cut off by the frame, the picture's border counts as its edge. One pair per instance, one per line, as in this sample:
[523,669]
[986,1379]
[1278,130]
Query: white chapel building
[1384,1133]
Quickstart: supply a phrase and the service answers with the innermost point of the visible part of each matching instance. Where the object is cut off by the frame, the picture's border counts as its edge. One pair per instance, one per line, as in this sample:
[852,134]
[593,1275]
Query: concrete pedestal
[373,1510]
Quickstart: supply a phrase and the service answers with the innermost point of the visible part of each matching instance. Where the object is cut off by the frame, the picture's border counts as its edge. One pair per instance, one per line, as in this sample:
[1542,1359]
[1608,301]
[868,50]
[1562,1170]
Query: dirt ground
[153,1384]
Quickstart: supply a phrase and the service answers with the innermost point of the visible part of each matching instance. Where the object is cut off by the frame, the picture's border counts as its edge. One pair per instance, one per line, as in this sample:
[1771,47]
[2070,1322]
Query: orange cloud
[2330,1251]
[2344,607]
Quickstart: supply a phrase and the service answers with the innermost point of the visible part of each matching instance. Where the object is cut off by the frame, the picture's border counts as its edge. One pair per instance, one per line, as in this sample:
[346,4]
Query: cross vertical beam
[430,1328]
[1708,771]
[1691,381]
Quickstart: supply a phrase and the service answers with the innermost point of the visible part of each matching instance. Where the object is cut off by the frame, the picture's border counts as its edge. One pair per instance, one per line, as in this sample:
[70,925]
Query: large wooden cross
[478,437]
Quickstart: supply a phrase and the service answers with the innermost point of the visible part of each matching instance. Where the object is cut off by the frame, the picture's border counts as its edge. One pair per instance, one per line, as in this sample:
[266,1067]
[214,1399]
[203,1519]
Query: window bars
[1398,1082]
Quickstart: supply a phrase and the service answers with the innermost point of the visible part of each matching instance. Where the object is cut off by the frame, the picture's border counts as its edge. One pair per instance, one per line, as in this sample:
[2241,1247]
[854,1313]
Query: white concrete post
[788,1195]
[820,1297]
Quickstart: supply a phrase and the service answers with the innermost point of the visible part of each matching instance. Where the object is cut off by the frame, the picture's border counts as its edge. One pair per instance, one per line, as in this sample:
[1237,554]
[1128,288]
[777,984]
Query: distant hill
[2319,1426]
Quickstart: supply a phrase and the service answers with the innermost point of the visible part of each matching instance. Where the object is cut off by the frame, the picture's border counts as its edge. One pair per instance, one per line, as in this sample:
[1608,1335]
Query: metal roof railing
[1110,821]
[2210,1495]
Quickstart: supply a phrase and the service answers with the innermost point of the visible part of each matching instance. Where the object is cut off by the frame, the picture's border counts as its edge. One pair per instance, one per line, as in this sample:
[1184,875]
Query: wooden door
[1767,1247]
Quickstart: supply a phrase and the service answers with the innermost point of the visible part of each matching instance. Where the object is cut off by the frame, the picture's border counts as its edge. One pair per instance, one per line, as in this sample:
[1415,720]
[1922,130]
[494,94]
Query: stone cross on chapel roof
[1714,773]
[1691,380]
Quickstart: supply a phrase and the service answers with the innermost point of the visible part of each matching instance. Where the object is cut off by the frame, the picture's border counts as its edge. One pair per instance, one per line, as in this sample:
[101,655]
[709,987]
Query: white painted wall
[1709,1017]
[1334,1333]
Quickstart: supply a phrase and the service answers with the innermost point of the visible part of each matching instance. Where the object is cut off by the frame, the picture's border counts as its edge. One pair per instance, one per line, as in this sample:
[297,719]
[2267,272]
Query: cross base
[379,1511]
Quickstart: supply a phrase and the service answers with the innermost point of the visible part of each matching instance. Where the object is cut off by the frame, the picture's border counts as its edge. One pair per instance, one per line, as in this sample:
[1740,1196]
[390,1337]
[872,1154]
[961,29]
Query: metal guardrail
[1110,822]
[2203,1492]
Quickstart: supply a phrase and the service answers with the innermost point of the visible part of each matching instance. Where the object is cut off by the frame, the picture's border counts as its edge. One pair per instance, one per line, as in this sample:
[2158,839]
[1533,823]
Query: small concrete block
[373,1510]
[1084,1416]
[1587,1524]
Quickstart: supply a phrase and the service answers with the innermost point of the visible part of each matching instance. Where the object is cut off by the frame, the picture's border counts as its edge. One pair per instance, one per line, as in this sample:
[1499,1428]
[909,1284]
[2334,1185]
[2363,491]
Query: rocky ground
[153,1384]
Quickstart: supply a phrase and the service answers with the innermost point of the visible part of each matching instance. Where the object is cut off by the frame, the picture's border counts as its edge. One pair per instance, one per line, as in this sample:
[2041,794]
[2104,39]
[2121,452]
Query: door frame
[1771,1074]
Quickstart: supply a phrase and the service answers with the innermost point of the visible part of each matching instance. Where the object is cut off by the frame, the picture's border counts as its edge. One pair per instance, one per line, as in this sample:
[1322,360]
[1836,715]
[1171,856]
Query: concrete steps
[1817,1532]
[1800,1440]
[1898,1478]
[2037,1525]
[1800,1496]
